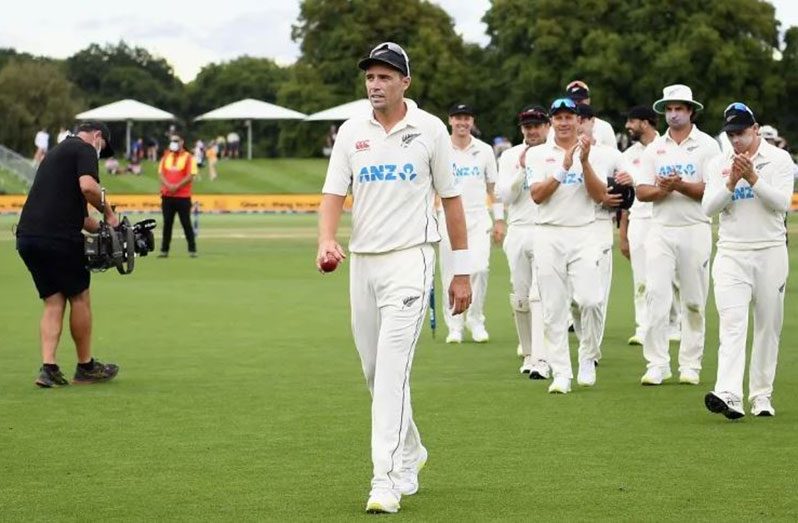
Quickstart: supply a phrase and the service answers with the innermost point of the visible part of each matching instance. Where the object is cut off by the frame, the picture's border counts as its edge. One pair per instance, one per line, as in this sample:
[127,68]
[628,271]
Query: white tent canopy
[342,112]
[250,109]
[126,111]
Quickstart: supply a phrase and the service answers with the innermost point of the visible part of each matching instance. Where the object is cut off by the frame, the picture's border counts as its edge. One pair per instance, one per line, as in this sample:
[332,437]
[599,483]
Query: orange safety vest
[175,167]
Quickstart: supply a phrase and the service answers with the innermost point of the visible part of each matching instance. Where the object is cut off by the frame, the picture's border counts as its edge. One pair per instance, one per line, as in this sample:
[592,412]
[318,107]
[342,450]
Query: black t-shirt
[56,207]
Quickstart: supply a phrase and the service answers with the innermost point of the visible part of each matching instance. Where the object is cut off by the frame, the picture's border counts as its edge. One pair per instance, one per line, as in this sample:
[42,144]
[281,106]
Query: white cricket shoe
[655,376]
[560,385]
[724,403]
[540,370]
[689,377]
[761,406]
[635,340]
[587,373]
[479,334]
[382,501]
[526,367]
[408,483]
[454,337]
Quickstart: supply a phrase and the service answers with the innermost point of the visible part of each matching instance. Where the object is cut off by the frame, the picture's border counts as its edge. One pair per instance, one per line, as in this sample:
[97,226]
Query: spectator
[330,141]
[134,167]
[112,166]
[42,143]
[233,144]
[221,146]
[199,153]
[212,155]
[62,134]
[152,149]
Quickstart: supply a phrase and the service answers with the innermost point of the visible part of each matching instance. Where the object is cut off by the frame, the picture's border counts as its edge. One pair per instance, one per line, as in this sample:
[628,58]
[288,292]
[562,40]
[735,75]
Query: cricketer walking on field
[672,176]
[395,160]
[513,190]
[750,188]
[475,173]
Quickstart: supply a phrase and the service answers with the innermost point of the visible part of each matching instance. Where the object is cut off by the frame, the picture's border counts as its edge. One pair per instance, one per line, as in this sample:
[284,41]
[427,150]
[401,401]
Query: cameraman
[50,242]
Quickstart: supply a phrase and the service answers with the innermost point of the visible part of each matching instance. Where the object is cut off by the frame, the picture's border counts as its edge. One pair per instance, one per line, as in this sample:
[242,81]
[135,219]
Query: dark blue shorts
[57,266]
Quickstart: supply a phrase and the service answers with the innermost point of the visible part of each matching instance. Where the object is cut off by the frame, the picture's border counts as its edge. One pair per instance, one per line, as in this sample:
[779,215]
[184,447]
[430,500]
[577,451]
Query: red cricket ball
[329,264]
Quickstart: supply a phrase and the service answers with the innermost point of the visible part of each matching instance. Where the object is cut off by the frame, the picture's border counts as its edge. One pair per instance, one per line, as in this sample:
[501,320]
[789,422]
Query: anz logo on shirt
[461,172]
[680,170]
[572,178]
[387,172]
[743,193]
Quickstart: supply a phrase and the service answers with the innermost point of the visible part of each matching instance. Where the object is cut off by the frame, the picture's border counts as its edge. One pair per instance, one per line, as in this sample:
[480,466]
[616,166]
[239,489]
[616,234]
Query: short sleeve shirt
[634,156]
[393,177]
[521,209]
[474,167]
[56,207]
[664,157]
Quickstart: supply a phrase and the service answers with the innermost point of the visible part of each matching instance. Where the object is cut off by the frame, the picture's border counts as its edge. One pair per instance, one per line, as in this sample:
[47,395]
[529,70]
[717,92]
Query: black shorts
[56,265]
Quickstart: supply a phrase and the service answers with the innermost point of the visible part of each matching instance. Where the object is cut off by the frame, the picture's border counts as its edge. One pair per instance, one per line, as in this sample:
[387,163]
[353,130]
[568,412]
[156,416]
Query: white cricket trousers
[684,251]
[525,297]
[566,259]
[638,234]
[388,296]
[601,231]
[743,278]
[478,225]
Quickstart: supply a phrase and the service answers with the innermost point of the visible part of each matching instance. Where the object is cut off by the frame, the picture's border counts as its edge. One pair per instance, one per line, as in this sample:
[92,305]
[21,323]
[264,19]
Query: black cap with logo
[461,109]
[390,54]
[737,117]
[533,114]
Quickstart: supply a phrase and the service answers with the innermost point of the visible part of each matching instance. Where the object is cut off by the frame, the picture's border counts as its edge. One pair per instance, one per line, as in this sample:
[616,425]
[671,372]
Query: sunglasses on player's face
[394,48]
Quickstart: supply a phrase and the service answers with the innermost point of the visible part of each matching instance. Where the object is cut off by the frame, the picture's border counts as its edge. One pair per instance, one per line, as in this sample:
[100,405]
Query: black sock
[50,367]
[88,365]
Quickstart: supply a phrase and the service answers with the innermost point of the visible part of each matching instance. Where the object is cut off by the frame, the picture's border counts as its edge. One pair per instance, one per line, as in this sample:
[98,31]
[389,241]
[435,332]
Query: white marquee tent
[126,111]
[248,110]
[341,112]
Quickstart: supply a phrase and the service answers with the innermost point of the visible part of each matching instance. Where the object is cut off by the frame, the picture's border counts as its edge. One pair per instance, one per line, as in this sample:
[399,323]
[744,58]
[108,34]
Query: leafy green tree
[335,34]
[34,95]
[627,51]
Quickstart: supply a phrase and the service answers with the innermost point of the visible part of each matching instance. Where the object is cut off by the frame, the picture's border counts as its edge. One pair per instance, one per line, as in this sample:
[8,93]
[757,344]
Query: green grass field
[260,176]
[240,397]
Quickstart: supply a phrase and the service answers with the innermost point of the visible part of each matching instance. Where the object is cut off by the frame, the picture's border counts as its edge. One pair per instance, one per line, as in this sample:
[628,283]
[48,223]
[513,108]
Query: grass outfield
[240,397]
[261,176]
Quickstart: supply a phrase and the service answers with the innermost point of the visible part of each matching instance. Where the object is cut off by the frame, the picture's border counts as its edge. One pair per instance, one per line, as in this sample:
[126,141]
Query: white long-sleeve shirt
[512,188]
[751,217]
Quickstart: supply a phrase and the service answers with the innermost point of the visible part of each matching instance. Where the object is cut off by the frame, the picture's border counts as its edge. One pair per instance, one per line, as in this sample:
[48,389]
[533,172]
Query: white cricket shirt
[474,167]
[512,188]
[664,157]
[634,155]
[393,178]
[569,205]
[751,217]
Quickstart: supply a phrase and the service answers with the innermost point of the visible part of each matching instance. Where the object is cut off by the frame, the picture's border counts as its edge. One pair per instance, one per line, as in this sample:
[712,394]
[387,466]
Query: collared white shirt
[664,157]
[474,168]
[512,188]
[751,217]
[606,162]
[634,156]
[393,178]
[569,205]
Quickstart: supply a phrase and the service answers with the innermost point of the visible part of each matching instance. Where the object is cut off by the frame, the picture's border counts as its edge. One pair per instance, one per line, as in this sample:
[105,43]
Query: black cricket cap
[737,117]
[642,112]
[462,109]
[584,111]
[97,125]
[390,54]
[577,91]
[532,114]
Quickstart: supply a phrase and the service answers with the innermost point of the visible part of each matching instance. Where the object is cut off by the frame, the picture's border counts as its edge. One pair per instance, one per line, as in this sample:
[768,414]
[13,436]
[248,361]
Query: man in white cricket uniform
[513,191]
[680,240]
[751,188]
[602,130]
[609,165]
[474,166]
[394,160]
[566,255]
[641,124]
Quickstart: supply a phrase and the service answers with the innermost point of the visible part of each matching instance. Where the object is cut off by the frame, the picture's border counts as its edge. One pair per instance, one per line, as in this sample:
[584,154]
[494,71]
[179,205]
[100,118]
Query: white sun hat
[676,93]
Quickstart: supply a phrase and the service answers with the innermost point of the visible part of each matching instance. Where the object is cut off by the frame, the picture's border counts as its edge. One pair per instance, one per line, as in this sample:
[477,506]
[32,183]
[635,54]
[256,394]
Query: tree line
[625,50]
